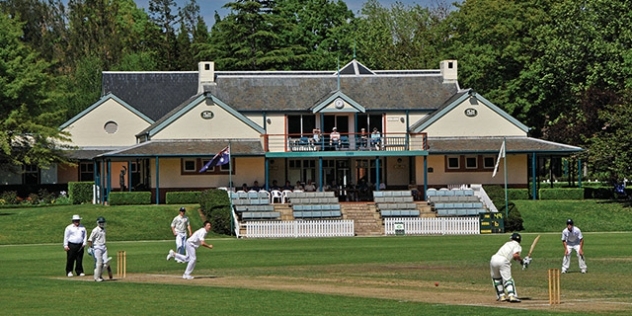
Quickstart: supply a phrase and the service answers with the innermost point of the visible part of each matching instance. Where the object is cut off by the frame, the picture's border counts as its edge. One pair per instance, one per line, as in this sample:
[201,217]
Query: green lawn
[238,271]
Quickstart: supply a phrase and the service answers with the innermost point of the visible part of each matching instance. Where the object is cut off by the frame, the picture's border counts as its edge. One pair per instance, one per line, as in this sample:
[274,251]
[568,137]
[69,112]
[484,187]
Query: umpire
[75,239]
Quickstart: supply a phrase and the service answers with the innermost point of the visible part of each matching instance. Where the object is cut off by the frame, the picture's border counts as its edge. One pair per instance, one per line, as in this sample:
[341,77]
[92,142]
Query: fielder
[500,269]
[195,241]
[179,226]
[98,250]
[572,239]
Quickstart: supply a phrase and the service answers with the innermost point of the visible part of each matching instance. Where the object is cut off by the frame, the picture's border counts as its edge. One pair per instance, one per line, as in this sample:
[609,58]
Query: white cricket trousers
[566,262]
[181,239]
[189,258]
[100,255]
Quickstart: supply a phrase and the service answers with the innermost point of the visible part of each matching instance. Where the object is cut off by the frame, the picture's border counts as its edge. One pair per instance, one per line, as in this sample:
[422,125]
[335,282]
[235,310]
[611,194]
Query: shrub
[185,197]
[129,198]
[80,192]
[216,207]
[45,197]
[9,197]
[561,194]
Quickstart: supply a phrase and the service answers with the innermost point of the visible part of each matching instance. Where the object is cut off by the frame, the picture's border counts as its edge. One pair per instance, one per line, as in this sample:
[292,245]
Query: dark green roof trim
[101,101]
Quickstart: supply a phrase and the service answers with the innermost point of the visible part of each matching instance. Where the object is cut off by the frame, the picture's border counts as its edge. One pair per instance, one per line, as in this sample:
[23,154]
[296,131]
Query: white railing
[299,229]
[434,226]
[482,195]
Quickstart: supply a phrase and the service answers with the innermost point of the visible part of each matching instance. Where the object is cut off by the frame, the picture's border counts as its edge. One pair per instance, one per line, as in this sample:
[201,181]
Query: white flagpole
[230,185]
[505,163]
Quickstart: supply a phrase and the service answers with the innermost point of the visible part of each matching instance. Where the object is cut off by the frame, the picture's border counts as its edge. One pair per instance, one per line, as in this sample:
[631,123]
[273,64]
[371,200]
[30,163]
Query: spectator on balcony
[364,138]
[414,190]
[310,187]
[316,137]
[334,138]
[376,138]
[299,186]
[288,185]
[244,187]
[275,185]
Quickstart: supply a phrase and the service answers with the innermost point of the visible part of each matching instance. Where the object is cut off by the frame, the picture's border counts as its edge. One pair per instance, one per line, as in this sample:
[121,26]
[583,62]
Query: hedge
[129,198]
[185,197]
[561,194]
[80,192]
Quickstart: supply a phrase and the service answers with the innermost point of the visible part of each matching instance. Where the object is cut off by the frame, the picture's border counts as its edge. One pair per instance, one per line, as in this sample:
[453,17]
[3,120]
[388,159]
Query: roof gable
[104,99]
[455,101]
[338,102]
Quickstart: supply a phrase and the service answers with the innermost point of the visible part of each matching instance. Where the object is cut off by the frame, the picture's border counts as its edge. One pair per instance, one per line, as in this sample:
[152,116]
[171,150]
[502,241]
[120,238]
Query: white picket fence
[299,229]
[434,226]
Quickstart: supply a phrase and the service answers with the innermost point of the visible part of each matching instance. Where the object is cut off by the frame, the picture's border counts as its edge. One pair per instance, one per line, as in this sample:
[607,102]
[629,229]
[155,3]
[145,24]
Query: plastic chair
[276,195]
[284,195]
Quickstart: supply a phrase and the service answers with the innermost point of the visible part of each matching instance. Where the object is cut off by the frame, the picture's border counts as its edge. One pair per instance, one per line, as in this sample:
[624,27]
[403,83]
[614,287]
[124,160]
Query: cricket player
[572,239]
[500,268]
[195,241]
[99,251]
[179,226]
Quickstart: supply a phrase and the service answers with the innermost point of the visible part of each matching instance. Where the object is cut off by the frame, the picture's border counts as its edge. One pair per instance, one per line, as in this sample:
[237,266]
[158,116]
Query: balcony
[346,142]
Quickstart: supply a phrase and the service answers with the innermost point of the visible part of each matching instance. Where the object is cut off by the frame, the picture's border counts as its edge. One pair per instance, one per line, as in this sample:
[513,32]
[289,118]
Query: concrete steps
[367,221]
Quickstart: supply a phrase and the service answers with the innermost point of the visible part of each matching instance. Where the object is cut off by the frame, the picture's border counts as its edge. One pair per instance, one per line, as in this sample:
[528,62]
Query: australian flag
[222,158]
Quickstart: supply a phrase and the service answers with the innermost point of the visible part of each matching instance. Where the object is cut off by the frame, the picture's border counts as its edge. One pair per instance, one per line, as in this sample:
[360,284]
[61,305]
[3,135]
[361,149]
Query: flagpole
[230,185]
[505,166]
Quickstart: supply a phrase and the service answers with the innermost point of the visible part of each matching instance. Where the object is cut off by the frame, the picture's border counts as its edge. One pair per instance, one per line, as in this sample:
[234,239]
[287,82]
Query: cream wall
[276,132]
[246,170]
[486,123]
[397,173]
[89,130]
[394,123]
[67,173]
[516,170]
[192,125]
[255,117]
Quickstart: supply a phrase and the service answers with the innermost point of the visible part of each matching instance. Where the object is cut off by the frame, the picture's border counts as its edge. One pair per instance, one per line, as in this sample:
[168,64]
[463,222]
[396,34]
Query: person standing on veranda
[572,239]
[75,239]
[180,225]
[193,243]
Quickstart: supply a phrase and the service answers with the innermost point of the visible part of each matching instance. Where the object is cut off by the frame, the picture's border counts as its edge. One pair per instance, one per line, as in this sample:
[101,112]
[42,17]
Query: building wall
[192,125]
[276,131]
[397,172]
[247,170]
[90,129]
[486,123]
[67,173]
[395,124]
[516,171]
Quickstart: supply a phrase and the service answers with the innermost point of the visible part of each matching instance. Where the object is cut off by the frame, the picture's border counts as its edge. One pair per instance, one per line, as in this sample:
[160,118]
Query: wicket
[121,264]
[554,286]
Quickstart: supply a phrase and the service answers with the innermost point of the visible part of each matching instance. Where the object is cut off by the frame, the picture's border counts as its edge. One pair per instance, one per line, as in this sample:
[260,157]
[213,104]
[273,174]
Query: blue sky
[208,7]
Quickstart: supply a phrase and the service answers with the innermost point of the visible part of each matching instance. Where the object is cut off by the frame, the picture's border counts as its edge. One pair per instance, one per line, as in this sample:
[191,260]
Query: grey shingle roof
[152,93]
[491,145]
[89,153]
[190,148]
[373,92]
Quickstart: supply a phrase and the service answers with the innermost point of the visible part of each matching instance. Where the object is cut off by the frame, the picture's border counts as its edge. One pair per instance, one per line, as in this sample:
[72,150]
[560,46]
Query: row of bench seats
[459,205]
[446,192]
[316,210]
[461,198]
[316,214]
[399,199]
[391,193]
[460,211]
[320,200]
[253,206]
[324,194]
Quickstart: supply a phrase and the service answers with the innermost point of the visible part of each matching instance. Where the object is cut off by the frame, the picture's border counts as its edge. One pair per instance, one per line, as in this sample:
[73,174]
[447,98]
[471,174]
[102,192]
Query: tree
[163,37]
[29,114]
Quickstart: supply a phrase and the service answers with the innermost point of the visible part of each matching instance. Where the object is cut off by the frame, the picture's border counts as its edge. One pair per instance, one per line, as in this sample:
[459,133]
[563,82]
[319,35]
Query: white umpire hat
[76,217]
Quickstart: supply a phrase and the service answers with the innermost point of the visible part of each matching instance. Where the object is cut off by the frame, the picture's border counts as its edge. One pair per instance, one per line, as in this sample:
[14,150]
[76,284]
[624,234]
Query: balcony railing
[346,142]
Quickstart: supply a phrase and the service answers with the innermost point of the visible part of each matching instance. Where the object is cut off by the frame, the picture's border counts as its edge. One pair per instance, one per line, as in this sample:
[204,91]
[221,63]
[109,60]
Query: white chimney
[449,71]
[206,74]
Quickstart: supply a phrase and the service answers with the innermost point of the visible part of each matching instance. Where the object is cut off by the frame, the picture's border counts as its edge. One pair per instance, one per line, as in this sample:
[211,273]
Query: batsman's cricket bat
[535,242]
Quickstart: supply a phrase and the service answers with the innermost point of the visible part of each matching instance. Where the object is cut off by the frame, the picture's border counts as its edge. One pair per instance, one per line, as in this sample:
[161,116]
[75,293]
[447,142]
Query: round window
[110,127]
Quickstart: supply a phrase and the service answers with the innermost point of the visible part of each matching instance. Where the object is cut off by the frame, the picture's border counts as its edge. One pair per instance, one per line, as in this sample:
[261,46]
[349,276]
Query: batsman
[99,251]
[500,269]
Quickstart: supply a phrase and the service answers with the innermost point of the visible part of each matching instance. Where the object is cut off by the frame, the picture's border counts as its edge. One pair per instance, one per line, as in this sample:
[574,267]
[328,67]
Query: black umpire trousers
[74,255]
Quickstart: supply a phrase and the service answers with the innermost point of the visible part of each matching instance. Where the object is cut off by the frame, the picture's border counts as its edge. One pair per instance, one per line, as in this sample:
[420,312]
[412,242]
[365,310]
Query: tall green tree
[399,37]
[254,36]
[29,114]
[163,14]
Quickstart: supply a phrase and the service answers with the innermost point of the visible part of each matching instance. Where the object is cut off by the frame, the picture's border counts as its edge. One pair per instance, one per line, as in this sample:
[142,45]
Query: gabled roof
[101,101]
[321,106]
[354,67]
[455,101]
[491,146]
[187,105]
[153,93]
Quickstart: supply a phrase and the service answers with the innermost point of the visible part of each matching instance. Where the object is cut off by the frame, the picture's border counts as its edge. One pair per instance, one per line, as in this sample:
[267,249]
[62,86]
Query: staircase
[367,221]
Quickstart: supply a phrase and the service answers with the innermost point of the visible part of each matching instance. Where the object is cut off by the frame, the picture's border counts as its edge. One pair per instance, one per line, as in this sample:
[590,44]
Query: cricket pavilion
[154,131]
